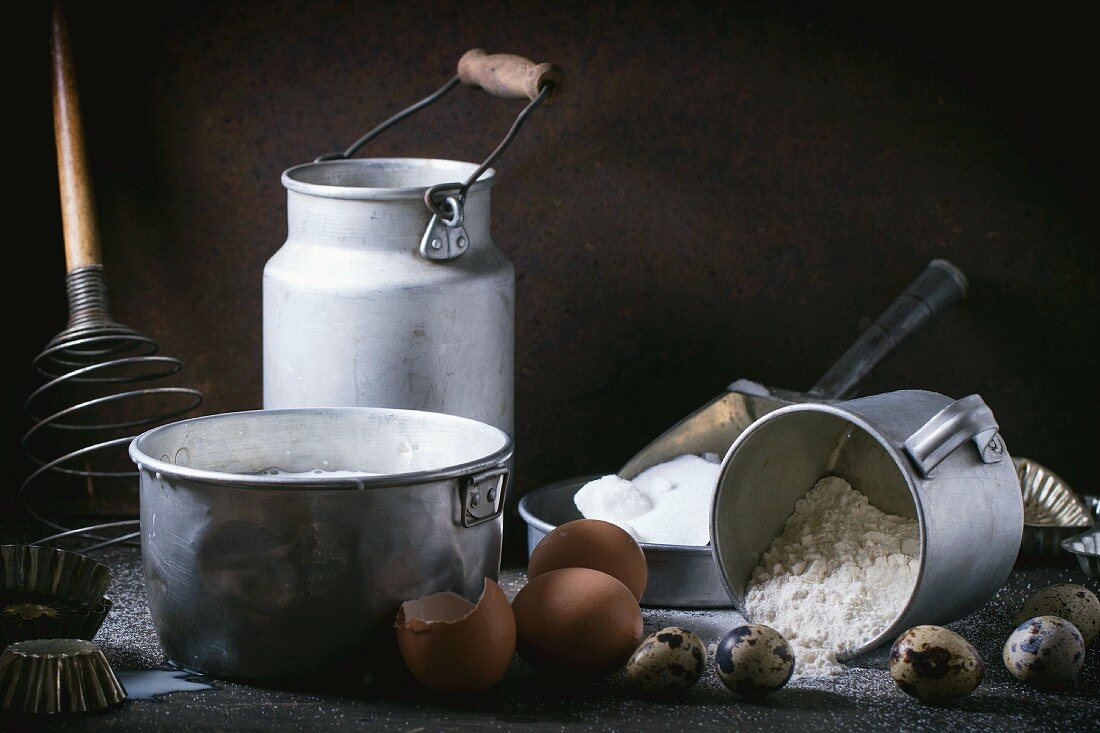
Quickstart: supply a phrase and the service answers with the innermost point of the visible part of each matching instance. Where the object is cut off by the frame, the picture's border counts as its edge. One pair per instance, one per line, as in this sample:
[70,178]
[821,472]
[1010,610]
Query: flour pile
[667,504]
[836,577]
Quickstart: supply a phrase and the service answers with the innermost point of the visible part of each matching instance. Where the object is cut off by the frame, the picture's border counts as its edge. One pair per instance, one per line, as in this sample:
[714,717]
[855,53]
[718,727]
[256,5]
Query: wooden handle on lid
[510,76]
[77,203]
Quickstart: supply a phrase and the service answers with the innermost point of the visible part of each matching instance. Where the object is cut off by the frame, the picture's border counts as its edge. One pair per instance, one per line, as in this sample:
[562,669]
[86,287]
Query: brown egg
[591,543]
[577,622]
[452,646]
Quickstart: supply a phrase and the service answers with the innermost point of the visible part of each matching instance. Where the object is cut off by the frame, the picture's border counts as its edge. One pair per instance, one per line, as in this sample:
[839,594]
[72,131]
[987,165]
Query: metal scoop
[715,426]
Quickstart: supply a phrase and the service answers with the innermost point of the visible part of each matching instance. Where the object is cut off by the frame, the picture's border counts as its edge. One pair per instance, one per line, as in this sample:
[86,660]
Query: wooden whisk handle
[74,179]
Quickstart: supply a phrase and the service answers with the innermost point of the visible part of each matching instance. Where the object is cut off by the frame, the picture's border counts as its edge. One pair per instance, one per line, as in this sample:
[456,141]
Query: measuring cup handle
[966,419]
[934,290]
[510,76]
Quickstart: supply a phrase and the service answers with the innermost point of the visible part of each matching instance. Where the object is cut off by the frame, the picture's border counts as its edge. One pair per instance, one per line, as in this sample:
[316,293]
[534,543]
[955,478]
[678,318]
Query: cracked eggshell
[668,662]
[754,661]
[595,544]
[577,623]
[1045,651]
[934,664]
[1075,603]
[453,646]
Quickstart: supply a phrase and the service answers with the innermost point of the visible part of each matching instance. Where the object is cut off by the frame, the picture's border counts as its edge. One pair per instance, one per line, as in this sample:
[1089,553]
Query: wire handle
[435,194]
[502,75]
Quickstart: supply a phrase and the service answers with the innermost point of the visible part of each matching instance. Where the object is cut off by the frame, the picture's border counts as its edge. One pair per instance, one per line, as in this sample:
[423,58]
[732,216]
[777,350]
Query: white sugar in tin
[667,504]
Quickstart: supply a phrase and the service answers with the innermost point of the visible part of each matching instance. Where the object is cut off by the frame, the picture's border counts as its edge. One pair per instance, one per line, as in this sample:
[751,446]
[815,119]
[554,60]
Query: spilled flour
[836,577]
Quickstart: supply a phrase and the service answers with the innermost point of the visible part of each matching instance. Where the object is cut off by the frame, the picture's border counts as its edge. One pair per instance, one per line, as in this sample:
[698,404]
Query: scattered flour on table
[836,577]
[667,504]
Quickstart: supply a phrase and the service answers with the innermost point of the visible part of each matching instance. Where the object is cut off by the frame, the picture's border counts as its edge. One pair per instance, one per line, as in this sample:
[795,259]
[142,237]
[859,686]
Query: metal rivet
[475,498]
[462,242]
[437,244]
[492,495]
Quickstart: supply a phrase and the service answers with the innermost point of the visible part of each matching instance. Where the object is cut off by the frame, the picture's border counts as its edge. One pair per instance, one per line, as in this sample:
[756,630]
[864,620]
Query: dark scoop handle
[937,288]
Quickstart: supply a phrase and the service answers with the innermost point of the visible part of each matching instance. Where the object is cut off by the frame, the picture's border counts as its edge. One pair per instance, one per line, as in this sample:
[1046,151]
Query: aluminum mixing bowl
[253,573]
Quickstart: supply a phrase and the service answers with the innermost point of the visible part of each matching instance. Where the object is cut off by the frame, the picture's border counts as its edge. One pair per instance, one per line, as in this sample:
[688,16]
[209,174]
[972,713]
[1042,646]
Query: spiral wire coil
[95,371]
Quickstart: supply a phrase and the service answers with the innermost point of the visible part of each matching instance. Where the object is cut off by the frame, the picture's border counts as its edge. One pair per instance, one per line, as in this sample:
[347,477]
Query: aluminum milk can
[389,291]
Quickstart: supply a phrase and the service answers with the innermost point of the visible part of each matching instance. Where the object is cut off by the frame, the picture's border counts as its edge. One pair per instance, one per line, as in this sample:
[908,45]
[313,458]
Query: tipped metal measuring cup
[686,576]
[912,453]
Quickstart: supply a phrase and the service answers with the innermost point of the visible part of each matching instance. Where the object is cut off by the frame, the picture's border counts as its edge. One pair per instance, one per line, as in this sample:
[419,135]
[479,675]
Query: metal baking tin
[1086,547]
[52,676]
[683,576]
[36,618]
[50,593]
[1053,512]
[52,572]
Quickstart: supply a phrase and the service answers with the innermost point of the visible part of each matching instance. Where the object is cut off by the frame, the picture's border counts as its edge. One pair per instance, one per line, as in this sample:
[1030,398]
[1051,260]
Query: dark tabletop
[862,699]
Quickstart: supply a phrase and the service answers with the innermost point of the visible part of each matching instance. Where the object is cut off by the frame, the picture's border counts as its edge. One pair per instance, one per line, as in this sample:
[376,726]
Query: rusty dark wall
[720,194]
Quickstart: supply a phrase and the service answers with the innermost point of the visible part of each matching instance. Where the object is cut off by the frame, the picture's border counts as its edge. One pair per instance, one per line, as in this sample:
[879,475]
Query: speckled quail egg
[1075,603]
[754,660]
[934,664]
[668,662]
[1045,650]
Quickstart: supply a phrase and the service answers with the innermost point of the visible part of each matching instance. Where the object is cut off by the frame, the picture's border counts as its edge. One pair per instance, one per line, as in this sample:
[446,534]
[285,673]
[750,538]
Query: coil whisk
[101,390]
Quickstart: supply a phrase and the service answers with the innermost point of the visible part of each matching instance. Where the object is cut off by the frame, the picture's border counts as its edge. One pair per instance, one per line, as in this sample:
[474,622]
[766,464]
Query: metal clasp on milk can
[502,75]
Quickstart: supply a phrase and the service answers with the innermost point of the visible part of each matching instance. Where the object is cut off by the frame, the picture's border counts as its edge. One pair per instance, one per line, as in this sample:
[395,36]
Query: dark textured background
[721,193]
